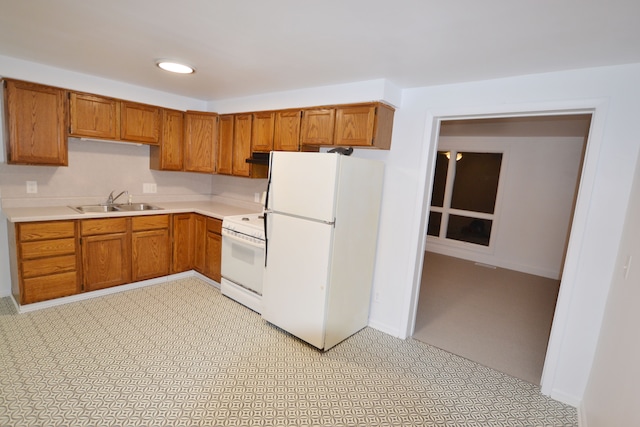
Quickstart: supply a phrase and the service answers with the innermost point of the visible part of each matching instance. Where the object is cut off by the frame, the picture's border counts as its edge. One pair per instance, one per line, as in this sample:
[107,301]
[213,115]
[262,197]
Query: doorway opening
[489,294]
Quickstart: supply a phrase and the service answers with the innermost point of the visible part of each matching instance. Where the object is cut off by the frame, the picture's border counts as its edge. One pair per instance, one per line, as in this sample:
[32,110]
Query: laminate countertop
[214,209]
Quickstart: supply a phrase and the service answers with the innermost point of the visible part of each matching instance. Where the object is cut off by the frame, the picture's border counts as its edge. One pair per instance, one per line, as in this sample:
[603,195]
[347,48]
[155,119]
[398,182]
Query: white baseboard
[387,329]
[94,294]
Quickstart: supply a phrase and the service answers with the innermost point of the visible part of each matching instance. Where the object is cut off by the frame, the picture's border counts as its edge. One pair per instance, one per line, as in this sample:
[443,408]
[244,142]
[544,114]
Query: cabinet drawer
[49,287]
[214,225]
[45,230]
[90,227]
[46,266]
[150,222]
[47,248]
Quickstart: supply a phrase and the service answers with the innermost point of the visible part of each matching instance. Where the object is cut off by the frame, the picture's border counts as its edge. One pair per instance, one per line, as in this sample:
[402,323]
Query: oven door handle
[240,240]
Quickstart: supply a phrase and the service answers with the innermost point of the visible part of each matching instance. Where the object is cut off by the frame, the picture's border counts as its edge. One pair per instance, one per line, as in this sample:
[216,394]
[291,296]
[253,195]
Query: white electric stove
[243,251]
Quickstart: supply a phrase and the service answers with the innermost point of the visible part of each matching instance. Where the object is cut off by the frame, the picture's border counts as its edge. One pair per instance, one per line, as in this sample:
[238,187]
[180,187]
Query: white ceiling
[249,47]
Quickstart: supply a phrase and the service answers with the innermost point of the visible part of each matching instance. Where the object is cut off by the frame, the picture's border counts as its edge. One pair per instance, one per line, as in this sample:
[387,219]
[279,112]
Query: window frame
[455,147]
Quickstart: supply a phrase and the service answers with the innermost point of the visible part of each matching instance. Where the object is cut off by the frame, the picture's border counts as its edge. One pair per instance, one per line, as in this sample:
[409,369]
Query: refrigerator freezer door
[303,184]
[294,292]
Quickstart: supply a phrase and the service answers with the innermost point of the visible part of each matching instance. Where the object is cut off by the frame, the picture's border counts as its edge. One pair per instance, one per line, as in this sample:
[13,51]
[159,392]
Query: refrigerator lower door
[294,293]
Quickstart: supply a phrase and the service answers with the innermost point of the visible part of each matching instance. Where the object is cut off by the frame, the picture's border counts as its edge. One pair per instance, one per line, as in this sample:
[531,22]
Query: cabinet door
[355,125]
[200,142]
[262,131]
[183,243]
[94,116]
[242,144]
[286,135]
[150,252]
[106,260]
[225,144]
[214,256]
[317,126]
[199,238]
[36,124]
[140,123]
[169,154]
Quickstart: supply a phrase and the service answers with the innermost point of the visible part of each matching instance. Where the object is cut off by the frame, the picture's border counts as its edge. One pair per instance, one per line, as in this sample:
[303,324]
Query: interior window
[464,196]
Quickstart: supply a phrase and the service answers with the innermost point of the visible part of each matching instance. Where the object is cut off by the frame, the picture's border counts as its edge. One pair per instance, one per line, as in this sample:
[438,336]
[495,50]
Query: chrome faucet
[111,200]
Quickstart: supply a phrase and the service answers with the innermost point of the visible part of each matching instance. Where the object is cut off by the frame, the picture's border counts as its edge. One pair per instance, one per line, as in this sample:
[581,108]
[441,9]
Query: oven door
[243,262]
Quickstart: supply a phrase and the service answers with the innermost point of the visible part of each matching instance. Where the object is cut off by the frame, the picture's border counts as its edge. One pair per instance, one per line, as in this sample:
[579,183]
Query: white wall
[534,207]
[603,197]
[611,395]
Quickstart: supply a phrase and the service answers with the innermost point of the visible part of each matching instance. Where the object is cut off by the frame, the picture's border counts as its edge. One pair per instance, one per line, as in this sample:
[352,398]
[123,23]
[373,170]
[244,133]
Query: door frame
[597,108]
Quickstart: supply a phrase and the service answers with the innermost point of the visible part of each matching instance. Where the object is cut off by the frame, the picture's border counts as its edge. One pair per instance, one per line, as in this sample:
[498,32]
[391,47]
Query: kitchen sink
[137,207]
[133,207]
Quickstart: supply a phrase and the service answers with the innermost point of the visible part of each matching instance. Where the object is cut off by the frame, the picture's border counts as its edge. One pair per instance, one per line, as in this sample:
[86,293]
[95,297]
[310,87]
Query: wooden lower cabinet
[150,247]
[106,252]
[53,259]
[45,260]
[183,243]
[207,246]
[213,245]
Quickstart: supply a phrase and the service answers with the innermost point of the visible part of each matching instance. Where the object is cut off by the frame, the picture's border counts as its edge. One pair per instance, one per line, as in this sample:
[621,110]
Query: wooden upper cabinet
[100,117]
[317,126]
[140,122]
[169,154]
[225,144]
[262,131]
[93,116]
[201,134]
[36,124]
[286,135]
[242,144]
[354,125]
[366,125]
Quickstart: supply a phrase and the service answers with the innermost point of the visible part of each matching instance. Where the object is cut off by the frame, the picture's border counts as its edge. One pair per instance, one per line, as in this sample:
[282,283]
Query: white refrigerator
[321,226]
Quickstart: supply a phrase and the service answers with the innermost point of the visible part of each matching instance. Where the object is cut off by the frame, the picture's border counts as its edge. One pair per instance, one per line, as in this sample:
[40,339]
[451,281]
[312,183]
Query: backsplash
[96,168]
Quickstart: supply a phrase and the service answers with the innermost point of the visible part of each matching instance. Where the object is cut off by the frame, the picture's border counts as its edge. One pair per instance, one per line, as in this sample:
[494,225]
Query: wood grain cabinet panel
[213,245]
[93,116]
[36,124]
[201,133]
[366,125]
[286,134]
[225,144]
[183,242]
[140,122]
[199,240]
[45,257]
[318,126]
[242,144]
[106,252]
[262,127]
[169,153]
[150,247]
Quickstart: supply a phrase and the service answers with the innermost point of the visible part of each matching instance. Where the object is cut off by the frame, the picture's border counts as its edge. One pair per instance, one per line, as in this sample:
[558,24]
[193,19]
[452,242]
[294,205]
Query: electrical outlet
[256,197]
[149,188]
[376,296]
[32,187]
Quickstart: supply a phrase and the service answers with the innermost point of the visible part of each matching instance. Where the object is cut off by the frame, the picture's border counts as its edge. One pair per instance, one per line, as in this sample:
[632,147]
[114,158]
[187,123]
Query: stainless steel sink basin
[137,207]
[94,208]
[133,207]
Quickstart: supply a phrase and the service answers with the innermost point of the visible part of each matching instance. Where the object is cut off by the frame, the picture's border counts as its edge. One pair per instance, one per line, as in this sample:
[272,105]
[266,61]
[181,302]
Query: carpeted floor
[181,354]
[496,317]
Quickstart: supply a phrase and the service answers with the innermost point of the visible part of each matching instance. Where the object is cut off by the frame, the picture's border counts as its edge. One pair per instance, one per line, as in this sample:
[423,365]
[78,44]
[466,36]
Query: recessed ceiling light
[175,67]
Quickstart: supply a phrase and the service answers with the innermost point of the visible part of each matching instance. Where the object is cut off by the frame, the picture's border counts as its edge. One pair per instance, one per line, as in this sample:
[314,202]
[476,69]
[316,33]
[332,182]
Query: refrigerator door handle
[266,239]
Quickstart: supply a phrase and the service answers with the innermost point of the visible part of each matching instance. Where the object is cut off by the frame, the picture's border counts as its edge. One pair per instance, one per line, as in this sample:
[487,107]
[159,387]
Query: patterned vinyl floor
[181,354]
